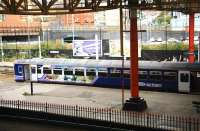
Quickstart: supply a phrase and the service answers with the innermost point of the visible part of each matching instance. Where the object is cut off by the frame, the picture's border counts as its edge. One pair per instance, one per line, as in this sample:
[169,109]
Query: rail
[98,116]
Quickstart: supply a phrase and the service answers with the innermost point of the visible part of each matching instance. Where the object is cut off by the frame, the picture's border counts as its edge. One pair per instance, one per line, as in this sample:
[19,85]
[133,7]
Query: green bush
[167,46]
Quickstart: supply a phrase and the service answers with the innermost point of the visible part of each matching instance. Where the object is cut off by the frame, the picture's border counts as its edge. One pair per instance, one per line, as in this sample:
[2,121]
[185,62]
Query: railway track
[6,68]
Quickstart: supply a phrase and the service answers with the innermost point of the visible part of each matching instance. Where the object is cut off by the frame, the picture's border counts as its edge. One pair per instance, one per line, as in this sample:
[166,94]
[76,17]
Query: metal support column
[134,54]
[199,49]
[2,53]
[191,56]
[122,50]
[135,102]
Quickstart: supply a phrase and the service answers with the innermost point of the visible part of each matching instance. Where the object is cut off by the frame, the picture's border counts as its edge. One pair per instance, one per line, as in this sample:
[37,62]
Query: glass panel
[143,75]
[91,72]
[127,73]
[79,72]
[102,72]
[68,71]
[20,69]
[57,71]
[184,77]
[46,70]
[170,76]
[115,73]
[39,70]
[155,75]
[33,70]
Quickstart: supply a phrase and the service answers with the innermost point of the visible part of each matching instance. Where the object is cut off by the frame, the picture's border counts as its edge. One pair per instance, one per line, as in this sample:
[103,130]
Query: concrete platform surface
[160,102]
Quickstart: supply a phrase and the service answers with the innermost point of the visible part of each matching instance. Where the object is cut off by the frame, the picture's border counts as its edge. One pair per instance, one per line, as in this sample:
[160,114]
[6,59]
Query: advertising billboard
[87,47]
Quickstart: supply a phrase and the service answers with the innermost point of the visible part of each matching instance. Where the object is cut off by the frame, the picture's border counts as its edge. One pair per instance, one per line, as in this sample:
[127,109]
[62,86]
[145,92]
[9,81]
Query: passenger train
[153,75]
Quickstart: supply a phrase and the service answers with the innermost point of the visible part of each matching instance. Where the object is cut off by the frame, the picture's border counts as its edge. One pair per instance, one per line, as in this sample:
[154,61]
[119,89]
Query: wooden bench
[196,104]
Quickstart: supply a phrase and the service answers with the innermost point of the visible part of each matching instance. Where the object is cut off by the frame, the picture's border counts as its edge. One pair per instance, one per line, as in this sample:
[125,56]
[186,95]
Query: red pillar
[191,57]
[135,103]
[134,54]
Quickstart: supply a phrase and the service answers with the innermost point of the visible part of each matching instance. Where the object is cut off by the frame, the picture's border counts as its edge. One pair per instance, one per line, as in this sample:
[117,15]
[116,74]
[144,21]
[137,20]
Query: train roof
[92,63]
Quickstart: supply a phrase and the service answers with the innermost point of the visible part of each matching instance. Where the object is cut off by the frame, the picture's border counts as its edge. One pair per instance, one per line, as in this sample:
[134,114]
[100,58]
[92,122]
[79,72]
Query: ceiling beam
[49,7]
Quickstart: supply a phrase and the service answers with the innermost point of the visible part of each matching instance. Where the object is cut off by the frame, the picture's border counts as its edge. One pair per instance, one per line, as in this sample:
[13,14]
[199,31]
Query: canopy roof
[51,7]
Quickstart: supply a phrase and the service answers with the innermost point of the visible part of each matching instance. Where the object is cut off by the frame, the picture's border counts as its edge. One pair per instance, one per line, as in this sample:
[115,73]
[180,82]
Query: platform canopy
[51,7]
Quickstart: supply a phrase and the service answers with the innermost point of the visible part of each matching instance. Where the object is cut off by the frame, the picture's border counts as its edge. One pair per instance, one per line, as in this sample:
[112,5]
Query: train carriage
[160,76]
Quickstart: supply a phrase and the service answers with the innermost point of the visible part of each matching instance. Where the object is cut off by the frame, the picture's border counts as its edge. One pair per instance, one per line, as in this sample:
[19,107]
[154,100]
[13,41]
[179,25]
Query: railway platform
[159,102]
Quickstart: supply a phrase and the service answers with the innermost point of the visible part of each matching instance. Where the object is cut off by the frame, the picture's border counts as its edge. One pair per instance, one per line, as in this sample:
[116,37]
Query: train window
[126,73]
[169,76]
[68,71]
[79,72]
[91,72]
[184,77]
[20,69]
[115,73]
[57,71]
[39,70]
[33,70]
[102,72]
[155,75]
[46,70]
[143,75]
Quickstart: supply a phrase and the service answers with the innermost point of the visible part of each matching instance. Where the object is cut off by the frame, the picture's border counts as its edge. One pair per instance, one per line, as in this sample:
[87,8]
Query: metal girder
[51,7]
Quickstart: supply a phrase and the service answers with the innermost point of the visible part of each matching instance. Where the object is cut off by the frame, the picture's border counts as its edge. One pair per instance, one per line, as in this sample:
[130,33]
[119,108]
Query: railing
[99,116]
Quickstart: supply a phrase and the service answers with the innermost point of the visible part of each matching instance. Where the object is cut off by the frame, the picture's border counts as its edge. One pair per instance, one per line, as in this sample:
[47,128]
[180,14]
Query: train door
[26,72]
[33,73]
[19,72]
[184,81]
[40,72]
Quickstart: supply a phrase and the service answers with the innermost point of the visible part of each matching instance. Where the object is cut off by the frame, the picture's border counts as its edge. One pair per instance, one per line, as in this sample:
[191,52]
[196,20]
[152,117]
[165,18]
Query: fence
[99,116]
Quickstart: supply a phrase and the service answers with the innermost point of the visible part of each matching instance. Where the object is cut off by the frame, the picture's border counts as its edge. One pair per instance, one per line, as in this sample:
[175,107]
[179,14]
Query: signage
[148,84]
[87,47]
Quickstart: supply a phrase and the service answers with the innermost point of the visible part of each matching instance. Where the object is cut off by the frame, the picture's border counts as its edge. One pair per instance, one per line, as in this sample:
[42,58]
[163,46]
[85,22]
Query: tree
[163,19]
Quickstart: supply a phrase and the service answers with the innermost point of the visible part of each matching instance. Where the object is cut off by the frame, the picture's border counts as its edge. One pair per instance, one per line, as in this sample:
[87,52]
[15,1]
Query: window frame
[45,69]
[155,74]
[114,72]
[181,77]
[68,70]
[126,73]
[80,72]
[20,69]
[33,68]
[90,70]
[169,74]
[57,69]
[102,71]
[143,72]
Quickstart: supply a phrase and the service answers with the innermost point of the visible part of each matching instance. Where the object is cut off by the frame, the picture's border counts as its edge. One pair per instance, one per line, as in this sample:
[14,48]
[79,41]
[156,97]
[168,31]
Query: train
[153,75]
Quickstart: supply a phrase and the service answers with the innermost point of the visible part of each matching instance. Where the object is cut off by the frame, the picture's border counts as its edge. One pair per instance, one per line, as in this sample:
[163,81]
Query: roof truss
[51,7]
